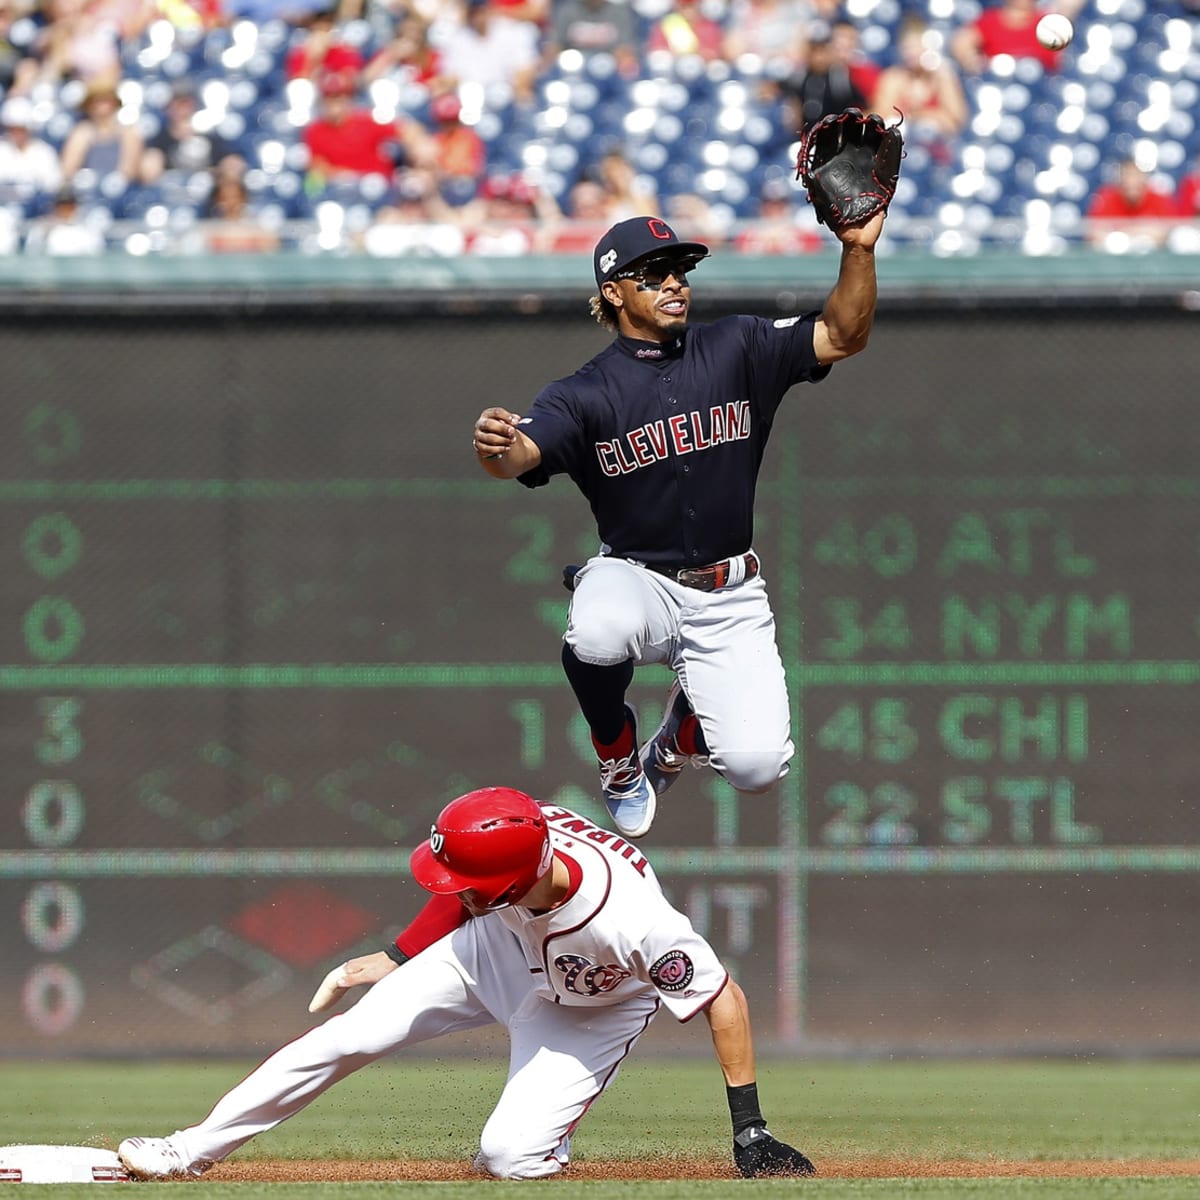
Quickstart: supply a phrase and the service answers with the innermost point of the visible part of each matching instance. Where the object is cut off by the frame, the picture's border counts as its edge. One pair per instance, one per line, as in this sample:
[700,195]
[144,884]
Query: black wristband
[743,1106]
[395,954]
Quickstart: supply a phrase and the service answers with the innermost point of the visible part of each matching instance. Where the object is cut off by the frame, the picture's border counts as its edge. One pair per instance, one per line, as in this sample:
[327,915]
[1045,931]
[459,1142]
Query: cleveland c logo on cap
[659,229]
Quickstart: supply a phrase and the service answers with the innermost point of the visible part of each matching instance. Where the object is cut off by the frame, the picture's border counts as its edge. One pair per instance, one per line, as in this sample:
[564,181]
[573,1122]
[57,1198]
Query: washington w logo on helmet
[492,843]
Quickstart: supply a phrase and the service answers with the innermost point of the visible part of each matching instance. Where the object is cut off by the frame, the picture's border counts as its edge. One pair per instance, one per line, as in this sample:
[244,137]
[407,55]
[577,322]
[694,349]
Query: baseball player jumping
[545,923]
[664,432]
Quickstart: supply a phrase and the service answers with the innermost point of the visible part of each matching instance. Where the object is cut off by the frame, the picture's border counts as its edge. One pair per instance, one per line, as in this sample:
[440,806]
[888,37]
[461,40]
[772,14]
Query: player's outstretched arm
[756,1151]
[504,451]
[371,968]
[845,322]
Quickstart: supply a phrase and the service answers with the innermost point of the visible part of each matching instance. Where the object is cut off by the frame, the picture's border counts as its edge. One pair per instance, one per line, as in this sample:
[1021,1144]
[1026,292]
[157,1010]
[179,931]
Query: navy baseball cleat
[628,793]
[662,759]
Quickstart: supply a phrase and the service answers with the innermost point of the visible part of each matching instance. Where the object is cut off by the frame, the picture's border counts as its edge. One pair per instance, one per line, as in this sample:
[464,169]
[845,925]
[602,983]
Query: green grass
[424,1108]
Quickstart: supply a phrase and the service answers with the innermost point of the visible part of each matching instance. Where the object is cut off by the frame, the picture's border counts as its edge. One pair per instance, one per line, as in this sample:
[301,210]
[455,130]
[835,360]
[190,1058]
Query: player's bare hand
[866,234]
[495,432]
[370,968]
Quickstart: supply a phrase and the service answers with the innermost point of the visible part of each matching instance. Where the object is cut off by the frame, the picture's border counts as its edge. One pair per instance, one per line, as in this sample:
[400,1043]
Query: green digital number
[882,732]
[52,545]
[855,634]
[61,739]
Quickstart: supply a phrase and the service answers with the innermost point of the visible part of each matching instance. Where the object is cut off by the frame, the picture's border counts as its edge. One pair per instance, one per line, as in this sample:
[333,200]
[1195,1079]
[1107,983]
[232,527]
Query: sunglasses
[651,275]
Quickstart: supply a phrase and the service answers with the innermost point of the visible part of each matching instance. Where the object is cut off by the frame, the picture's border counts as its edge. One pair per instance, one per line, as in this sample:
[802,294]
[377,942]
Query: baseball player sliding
[664,432]
[545,923]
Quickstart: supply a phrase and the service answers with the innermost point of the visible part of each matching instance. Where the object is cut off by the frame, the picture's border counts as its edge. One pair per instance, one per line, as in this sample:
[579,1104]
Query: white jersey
[575,988]
[616,936]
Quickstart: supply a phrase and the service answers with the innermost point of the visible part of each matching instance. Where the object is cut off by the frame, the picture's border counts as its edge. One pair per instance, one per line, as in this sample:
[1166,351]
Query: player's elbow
[834,341]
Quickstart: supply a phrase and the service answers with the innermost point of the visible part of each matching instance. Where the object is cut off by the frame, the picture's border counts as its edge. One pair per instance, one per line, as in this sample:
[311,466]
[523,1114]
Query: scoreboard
[261,616]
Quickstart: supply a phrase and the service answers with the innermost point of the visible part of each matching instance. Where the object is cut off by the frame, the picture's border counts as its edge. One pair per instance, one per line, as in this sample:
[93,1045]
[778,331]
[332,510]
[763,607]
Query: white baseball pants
[561,1058]
[720,644]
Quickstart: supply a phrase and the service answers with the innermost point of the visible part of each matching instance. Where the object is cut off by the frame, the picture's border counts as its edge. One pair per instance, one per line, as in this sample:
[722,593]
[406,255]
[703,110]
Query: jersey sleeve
[683,968]
[554,424]
[781,352]
[440,916]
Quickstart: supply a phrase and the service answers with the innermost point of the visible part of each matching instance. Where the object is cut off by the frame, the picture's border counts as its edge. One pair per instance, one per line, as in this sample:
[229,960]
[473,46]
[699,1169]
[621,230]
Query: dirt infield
[386,1170]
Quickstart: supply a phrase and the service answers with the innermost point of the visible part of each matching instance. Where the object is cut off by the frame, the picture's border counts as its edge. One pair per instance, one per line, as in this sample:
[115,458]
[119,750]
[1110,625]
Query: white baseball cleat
[158,1158]
[662,759]
[628,795]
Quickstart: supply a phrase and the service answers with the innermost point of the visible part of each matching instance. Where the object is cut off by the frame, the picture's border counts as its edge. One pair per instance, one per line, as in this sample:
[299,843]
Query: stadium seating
[1129,84]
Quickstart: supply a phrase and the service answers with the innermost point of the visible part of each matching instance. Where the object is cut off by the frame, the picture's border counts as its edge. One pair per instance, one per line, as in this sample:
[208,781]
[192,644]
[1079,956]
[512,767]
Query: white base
[60,1164]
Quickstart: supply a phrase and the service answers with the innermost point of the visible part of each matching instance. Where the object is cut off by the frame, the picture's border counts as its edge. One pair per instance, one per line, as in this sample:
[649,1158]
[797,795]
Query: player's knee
[606,640]
[502,1158]
[753,773]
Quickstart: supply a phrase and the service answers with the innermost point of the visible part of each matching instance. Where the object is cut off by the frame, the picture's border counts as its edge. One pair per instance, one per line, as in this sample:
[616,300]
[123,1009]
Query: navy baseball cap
[639,237]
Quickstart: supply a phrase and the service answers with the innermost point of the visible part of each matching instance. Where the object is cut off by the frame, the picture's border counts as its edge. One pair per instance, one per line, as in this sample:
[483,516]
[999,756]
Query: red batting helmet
[493,841]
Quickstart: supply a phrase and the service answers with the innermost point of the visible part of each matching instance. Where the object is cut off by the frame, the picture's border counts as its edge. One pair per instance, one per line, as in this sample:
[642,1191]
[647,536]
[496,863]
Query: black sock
[600,692]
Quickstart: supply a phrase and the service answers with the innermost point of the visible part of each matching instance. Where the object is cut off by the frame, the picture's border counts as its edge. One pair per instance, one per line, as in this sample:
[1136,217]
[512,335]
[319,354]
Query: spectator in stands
[321,50]
[1187,196]
[536,12]
[29,165]
[847,49]
[179,145]
[693,219]
[415,221]
[828,85]
[1130,209]
[78,41]
[595,27]
[231,225]
[64,232]
[193,15]
[925,87]
[346,142]
[588,217]
[407,57]
[775,32]
[512,217]
[10,54]
[628,193]
[1008,27]
[460,156]
[777,227]
[490,48]
[99,141]
[686,31]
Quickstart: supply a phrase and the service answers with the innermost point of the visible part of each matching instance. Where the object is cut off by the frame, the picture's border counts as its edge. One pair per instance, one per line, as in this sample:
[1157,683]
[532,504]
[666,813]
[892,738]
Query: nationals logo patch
[673,972]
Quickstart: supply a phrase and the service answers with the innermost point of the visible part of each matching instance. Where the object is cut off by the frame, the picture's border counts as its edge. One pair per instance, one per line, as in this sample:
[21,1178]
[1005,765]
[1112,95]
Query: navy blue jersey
[666,441]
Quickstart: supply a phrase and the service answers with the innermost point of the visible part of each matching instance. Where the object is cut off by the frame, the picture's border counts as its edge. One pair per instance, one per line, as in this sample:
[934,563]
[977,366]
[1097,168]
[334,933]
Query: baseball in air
[1055,31]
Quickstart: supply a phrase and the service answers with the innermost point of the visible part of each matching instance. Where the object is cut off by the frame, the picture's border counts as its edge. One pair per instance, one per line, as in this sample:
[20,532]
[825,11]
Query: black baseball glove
[757,1153]
[849,163]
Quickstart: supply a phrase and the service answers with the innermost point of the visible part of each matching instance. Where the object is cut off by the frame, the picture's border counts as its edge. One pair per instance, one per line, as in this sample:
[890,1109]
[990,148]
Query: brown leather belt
[715,575]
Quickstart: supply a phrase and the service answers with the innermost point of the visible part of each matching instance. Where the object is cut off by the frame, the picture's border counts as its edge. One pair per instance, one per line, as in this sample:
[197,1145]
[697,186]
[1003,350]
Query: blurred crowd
[404,126]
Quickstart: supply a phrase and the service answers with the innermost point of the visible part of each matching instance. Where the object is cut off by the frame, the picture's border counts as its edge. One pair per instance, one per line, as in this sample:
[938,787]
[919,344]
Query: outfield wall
[261,615]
